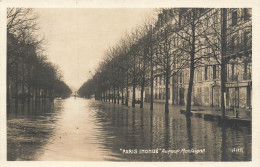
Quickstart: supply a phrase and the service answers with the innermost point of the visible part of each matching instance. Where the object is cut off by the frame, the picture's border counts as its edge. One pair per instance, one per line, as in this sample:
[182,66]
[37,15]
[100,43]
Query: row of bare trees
[30,76]
[181,39]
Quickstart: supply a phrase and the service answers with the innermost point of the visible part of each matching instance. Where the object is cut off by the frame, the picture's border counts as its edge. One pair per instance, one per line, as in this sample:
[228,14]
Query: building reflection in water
[146,129]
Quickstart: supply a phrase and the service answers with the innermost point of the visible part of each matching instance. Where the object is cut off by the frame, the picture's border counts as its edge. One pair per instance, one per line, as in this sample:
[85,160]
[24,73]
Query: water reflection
[92,130]
[28,130]
[151,130]
[189,137]
[224,156]
[167,135]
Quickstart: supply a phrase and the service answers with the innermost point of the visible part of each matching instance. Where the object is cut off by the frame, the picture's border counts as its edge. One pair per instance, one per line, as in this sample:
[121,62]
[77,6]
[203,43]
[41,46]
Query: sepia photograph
[154,84]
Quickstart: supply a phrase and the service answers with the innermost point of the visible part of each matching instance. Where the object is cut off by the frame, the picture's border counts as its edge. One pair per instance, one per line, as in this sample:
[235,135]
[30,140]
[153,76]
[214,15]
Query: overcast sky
[77,38]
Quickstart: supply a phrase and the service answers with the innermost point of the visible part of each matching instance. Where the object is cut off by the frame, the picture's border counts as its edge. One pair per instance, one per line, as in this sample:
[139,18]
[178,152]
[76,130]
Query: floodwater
[89,130]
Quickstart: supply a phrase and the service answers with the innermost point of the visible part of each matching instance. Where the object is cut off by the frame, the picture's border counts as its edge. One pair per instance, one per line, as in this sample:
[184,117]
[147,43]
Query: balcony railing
[240,77]
[233,78]
[247,76]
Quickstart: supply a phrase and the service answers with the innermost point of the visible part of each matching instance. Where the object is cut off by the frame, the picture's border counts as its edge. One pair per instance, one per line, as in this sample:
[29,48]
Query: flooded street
[89,130]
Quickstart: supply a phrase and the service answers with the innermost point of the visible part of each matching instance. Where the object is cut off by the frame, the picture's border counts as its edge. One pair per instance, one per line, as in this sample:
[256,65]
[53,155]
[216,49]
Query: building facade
[207,74]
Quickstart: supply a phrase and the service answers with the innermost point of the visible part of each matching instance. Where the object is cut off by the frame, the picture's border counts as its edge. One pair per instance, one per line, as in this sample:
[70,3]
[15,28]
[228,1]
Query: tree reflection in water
[154,129]
[224,156]
[28,129]
[167,135]
[189,137]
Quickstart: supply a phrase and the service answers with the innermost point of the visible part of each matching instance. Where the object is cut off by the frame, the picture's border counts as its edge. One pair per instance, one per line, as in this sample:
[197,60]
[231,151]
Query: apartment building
[207,74]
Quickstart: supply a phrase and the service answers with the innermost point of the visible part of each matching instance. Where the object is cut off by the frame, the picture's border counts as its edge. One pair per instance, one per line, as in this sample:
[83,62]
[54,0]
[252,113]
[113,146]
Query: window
[214,72]
[180,18]
[199,75]
[247,71]
[234,43]
[245,67]
[160,19]
[164,79]
[246,37]
[233,72]
[202,10]
[246,14]
[206,73]
[227,96]
[171,12]
[189,17]
[215,18]
[232,69]
[234,18]
[217,71]
[206,94]
[181,77]
[246,41]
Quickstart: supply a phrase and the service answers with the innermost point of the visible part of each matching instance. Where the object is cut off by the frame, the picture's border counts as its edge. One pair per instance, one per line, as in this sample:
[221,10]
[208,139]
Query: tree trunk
[188,106]
[29,87]
[122,99]
[134,79]
[106,94]
[109,95]
[142,96]
[192,57]
[114,95]
[28,95]
[23,93]
[167,75]
[173,93]
[35,95]
[151,79]
[118,95]
[45,95]
[142,86]
[23,82]
[223,64]
[38,94]
[167,89]
[127,95]
[133,99]
[16,86]
[50,93]
[112,98]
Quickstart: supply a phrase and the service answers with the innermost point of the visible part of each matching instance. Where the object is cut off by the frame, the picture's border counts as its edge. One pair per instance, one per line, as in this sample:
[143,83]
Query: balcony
[233,78]
[246,76]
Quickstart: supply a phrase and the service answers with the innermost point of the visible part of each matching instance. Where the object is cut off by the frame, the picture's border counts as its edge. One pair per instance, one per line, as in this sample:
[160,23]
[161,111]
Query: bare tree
[187,28]
[221,39]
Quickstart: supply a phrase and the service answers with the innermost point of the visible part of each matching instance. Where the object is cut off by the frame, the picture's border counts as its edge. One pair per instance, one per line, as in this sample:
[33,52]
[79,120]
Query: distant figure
[75,95]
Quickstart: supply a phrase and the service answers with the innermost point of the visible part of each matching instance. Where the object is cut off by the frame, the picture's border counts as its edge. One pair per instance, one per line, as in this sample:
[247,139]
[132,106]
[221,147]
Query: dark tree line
[30,76]
[87,89]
